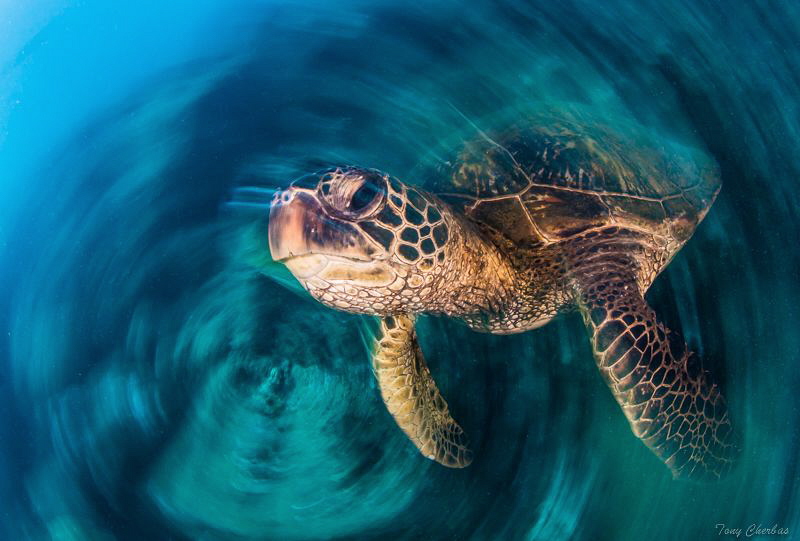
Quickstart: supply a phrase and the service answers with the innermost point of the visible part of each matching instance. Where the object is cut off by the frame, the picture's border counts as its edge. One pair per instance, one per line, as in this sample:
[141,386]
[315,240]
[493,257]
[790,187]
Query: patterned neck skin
[527,291]
[476,277]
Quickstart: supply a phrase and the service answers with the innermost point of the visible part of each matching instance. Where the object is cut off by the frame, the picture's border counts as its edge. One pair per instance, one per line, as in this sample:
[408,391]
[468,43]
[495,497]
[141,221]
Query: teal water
[163,379]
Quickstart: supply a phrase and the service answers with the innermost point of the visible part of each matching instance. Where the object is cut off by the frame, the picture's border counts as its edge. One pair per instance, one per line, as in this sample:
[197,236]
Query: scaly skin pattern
[411,395]
[542,289]
[670,401]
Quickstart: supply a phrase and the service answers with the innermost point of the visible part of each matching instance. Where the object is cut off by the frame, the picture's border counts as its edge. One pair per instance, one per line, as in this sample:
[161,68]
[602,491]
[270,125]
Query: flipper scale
[671,402]
[411,395]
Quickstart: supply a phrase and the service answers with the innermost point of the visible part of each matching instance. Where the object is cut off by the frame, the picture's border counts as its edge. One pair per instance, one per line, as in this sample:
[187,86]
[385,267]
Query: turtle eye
[370,190]
[354,193]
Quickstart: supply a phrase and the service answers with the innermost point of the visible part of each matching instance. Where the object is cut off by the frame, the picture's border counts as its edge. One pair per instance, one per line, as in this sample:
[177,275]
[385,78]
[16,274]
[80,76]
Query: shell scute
[560,175]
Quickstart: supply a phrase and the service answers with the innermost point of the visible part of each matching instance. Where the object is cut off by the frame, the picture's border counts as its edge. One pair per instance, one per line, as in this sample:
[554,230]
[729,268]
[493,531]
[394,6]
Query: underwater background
[162,378]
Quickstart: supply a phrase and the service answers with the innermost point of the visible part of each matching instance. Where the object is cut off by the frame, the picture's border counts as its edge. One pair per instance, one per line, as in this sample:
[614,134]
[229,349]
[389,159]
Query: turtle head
[361,241]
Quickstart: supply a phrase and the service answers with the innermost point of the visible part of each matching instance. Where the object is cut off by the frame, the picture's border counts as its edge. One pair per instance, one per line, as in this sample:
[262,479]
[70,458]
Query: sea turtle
[555,213]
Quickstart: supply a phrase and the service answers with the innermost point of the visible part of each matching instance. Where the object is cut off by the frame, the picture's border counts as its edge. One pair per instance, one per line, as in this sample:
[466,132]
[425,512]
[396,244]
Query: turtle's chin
[305,266]
[344,283]
[313,269]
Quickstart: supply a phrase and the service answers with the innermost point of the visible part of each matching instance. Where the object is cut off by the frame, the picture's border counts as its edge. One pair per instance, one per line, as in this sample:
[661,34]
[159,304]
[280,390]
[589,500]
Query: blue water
[163,379]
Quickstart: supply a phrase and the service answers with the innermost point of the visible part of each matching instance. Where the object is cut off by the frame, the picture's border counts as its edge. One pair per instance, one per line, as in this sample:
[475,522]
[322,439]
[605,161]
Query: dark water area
[164,379]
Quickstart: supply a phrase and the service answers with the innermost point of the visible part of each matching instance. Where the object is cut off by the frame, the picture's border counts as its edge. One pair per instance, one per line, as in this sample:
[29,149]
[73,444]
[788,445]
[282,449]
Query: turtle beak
[299,225]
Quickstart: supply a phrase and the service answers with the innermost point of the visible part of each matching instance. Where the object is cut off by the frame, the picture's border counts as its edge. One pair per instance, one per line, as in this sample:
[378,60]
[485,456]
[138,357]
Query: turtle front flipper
[669,399]
[411,395]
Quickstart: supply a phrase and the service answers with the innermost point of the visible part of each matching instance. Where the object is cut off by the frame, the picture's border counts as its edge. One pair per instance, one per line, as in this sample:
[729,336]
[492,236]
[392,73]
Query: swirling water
[163,379]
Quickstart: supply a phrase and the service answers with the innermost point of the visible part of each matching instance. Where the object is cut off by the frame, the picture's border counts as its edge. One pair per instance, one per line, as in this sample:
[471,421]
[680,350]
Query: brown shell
[555,178]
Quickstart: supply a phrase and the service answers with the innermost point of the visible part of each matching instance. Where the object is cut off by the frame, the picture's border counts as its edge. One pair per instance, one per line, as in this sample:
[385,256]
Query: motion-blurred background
[163,379]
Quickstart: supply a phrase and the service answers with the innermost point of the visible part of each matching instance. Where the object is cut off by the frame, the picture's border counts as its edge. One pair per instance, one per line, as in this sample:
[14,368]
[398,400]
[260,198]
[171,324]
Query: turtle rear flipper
[411,395]
[670,401]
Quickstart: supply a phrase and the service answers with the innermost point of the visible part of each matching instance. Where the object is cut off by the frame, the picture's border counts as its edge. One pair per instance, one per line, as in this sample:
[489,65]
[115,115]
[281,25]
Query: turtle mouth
[309,256]
[308,265]
[305,266]
[339,269]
